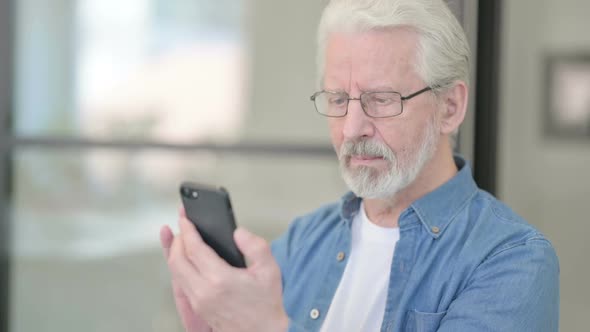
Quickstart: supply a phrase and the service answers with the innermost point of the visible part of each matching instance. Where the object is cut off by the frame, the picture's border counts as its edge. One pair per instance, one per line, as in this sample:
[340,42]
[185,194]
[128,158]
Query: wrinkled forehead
[377,56]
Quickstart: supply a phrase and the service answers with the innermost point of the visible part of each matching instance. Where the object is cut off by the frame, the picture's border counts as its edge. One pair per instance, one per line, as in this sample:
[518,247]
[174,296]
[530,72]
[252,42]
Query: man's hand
[225,297]
[191,321]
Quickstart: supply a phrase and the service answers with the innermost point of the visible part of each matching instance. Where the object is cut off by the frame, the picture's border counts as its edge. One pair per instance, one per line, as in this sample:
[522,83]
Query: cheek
[396,136]
[335,125]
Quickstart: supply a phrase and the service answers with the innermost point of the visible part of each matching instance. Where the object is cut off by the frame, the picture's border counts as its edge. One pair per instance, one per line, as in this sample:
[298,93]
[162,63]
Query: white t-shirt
[359,302]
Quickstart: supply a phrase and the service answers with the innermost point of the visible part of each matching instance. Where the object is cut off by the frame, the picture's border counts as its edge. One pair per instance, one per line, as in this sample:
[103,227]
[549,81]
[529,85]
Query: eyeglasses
[374,104]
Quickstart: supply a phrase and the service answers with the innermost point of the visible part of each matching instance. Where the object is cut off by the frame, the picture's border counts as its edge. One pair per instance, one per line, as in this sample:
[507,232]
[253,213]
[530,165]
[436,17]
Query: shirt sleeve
[282,248]
[516,289]
[296,327]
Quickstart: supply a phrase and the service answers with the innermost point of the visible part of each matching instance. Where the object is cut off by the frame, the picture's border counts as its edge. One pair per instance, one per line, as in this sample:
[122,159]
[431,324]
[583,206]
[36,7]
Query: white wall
[283,48]
[546,181]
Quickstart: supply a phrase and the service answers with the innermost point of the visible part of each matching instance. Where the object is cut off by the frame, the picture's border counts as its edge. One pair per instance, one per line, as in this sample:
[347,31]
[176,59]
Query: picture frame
[567,96]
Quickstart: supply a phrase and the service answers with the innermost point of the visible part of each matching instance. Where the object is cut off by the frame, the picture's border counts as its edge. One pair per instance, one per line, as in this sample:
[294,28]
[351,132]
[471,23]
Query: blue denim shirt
[464,262]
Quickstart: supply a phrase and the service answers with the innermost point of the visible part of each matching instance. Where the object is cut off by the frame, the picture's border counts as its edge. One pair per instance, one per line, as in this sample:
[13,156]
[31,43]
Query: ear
[454,107]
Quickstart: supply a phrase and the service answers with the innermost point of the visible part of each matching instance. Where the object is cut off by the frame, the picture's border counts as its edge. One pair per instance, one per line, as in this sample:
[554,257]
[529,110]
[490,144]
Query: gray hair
[443,50]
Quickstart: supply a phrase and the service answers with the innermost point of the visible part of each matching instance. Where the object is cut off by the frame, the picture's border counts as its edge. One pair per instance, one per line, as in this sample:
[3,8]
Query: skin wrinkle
[405,64]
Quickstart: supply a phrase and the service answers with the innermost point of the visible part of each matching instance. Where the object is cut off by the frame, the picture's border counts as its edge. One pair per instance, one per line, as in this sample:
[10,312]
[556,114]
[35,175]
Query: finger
[185,304]
[185,275]
[166,238]
[182,212]
[198,252]
[255,249]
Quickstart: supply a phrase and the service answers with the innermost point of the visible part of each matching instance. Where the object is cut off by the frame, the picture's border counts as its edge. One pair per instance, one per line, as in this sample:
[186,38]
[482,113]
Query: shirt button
[435,230]
[314,313]
[340,256]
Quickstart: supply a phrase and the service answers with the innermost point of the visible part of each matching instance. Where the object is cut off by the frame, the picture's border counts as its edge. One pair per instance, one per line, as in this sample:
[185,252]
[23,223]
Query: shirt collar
[436,209]
[349,206]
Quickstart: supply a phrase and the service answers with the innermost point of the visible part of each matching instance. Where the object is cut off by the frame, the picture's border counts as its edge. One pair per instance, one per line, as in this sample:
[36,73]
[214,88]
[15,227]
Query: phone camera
[189,193]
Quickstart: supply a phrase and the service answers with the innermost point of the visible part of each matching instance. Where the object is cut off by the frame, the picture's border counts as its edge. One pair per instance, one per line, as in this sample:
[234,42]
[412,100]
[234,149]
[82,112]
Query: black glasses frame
[402,99]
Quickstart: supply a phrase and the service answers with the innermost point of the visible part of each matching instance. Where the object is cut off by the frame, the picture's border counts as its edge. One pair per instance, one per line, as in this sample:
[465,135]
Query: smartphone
[209,209]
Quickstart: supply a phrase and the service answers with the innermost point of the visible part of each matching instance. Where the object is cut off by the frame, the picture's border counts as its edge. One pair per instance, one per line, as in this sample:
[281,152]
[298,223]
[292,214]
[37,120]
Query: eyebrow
[335,90]
[380,88]
[376,88]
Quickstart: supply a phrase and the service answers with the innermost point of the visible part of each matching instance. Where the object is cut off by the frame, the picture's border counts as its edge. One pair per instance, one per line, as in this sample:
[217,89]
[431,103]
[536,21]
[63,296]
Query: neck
[438,170]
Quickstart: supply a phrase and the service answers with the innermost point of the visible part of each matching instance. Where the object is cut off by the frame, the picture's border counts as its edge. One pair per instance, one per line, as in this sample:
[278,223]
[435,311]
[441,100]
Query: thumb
[166,239]
[254,248]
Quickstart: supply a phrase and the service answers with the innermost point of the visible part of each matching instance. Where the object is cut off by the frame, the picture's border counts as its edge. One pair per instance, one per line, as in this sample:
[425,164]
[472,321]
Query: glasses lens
[382,104]
[331,103]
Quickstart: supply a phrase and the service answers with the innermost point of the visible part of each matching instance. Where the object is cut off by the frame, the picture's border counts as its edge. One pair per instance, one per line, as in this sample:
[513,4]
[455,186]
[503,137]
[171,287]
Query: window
[113,105]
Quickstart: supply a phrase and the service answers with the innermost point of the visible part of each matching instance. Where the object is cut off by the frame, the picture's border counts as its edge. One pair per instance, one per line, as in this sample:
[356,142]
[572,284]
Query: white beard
[368,182]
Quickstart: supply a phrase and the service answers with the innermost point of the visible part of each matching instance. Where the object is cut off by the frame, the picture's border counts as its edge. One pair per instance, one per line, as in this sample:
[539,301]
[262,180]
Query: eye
[382,100]
[337,100]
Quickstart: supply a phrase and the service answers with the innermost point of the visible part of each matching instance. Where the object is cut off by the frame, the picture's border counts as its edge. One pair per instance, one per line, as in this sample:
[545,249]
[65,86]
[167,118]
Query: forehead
[384,56]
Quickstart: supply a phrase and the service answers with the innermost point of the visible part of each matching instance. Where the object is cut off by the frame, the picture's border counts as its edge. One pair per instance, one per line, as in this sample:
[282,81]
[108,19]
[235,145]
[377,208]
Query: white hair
[443,50]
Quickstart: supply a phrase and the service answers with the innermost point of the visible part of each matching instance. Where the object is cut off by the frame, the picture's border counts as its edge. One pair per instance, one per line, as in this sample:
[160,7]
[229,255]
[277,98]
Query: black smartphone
[209,209]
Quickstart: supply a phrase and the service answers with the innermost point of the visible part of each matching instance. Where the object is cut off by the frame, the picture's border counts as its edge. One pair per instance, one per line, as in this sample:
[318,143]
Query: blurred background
[106,106]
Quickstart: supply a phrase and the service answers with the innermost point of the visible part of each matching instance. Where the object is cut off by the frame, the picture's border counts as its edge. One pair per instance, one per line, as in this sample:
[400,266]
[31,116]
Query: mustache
[366,147]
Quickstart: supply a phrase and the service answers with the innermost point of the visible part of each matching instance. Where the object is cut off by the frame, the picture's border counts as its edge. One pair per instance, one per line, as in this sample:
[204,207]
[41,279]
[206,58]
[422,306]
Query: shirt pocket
[417,321]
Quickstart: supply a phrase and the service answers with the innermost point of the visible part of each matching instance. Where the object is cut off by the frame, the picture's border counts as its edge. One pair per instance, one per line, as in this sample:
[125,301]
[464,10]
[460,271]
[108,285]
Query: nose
[356,123]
